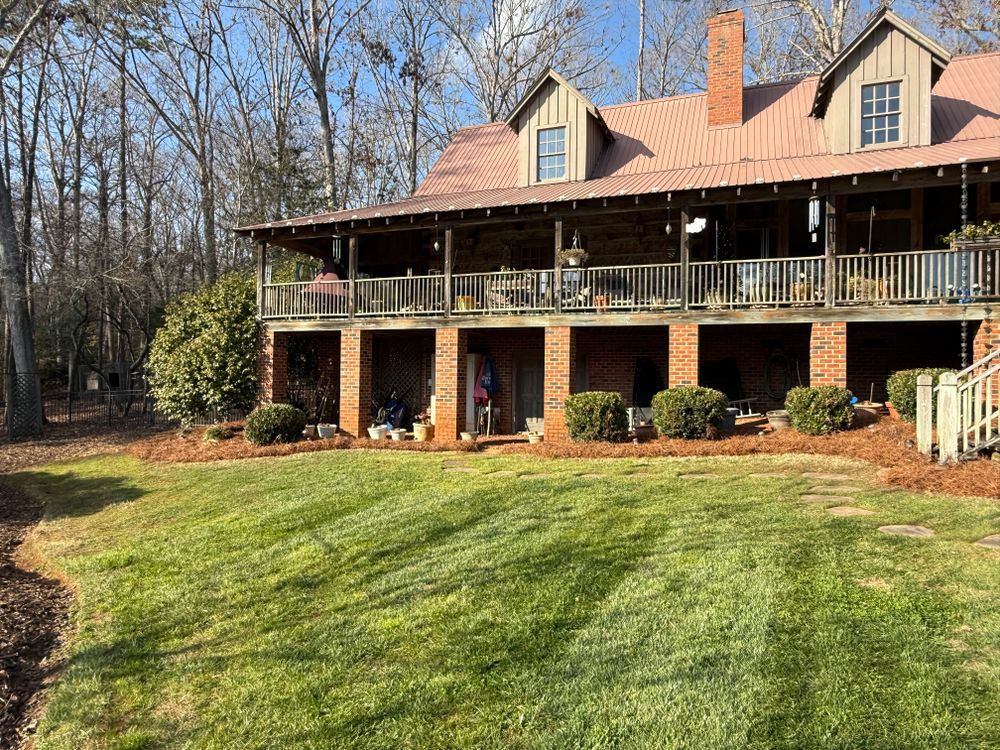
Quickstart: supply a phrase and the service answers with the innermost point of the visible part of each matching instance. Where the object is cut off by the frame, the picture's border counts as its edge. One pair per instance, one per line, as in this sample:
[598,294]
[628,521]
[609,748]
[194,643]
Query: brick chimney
[725,69]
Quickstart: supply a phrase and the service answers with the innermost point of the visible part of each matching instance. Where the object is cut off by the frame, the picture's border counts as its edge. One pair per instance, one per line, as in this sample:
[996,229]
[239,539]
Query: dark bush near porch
[689,412]
[274,423]
[596,415]
[902,389]
[820,410]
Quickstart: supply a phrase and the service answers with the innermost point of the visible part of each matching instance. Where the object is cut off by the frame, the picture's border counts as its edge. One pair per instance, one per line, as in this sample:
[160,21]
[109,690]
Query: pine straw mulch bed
[33,616]
[60,442]
[888,445]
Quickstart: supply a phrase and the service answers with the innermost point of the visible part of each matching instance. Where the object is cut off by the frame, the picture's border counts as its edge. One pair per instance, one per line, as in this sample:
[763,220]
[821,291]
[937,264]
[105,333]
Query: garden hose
[777,358]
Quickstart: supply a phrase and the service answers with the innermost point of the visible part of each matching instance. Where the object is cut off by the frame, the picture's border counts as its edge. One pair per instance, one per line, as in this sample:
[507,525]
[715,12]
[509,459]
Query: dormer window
[552,153]
[880,113]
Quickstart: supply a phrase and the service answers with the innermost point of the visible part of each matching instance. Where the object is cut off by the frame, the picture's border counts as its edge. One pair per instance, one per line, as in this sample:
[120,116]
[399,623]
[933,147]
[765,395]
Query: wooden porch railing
[400,296]
[503,292]
[621,288]
[306,299]
[923,277]
[748,283]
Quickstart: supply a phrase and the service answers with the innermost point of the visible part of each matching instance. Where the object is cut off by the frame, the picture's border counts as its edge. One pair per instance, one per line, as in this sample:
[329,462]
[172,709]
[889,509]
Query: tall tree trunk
[642,50]
[21,335]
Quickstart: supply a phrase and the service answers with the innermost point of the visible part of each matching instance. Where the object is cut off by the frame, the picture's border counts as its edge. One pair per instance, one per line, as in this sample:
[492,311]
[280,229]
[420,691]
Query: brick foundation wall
[876,350]
[734,359]
[828,354]
[560,378]
[272,368]
[725,69]
[608,355]
[355,381]
[683,348]
[451,348]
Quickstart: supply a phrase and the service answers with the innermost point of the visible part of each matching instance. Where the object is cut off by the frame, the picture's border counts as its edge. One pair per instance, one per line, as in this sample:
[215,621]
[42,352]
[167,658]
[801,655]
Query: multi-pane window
[880,113]
[551,154]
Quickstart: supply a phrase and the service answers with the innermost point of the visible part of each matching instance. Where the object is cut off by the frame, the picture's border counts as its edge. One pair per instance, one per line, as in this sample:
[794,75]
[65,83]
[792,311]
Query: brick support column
[986,340]
[560,379]
[272,368]
[355,381]
[828,354]
[451,351]
[682,365]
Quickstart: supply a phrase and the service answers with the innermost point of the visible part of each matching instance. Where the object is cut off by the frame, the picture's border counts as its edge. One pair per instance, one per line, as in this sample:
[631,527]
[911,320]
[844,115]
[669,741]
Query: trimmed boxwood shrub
[820,410]
[689,411]
[596,415]
[902,390]
[274,423]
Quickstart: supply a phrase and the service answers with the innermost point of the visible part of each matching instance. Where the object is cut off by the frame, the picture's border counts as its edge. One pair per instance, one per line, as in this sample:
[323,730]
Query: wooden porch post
[685,248]
[448,245]
[352,274]
[261,269]
[830,250]
[557,266]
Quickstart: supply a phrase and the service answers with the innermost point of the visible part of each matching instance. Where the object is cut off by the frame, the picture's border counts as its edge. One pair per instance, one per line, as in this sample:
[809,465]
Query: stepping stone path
[833,489]
[848,510]
[992,541]
[827,477]
[769,475]
[697,476]
[460,470]
[825,498]
[907,530]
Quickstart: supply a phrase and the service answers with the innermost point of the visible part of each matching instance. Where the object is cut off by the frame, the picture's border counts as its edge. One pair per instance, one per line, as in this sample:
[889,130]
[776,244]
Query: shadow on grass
[70,495]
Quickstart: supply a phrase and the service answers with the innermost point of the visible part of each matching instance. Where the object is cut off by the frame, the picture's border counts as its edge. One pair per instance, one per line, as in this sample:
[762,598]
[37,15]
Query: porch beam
[685,248]
[557,265]
[829,251]
[352,275]
[448,259]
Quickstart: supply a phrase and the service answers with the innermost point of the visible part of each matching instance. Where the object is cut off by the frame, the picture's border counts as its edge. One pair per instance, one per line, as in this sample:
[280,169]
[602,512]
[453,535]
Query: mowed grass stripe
[375,601]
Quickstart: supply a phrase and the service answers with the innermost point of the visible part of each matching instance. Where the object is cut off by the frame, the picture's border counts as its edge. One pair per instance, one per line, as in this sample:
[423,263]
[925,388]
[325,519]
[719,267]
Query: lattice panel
[399,366]
[24,417]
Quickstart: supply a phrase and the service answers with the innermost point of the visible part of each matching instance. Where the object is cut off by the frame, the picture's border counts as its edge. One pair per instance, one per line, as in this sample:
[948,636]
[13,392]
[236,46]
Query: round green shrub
[274,423]
[596,415]
[217,432]
[902,390]
[689,411]
[820,410]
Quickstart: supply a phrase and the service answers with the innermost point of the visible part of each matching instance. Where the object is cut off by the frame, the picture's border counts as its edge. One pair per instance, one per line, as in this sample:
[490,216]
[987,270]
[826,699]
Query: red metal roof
[665,145]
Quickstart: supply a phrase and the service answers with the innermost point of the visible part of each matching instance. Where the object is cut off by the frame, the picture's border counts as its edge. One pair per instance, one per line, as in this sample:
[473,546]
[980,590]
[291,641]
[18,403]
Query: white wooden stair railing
[968,410]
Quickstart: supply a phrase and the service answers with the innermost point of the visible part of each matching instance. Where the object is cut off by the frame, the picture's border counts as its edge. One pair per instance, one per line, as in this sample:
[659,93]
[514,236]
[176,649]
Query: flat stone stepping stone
[834,489]
[769,475]
[698,476]
[825,498]
[460,470]
[849,510]
[907,530]
[992,541]
[827,477]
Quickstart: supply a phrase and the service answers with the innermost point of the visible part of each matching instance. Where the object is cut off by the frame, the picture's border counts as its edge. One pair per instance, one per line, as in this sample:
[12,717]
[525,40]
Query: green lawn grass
[357,600]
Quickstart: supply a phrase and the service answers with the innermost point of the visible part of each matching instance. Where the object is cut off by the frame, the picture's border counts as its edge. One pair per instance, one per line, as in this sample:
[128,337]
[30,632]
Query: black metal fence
[113,409]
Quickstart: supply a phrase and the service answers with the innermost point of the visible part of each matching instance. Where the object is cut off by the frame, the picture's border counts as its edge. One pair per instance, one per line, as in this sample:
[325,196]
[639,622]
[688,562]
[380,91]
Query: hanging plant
[574,255]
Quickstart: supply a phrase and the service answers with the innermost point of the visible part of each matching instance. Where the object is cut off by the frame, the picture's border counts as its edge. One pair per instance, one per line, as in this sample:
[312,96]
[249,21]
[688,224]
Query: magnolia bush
[205,354]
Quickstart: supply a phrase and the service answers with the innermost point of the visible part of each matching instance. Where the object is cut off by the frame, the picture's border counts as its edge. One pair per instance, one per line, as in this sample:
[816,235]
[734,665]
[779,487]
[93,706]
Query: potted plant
[423,430]
[470,436]
[377,431]
[326,430]
[644,432]
[310,431]
[535,437]
[398,434]
[778,419]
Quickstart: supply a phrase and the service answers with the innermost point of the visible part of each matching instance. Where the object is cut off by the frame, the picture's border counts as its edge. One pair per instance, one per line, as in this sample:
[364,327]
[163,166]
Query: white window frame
[537,166]
[902,140]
